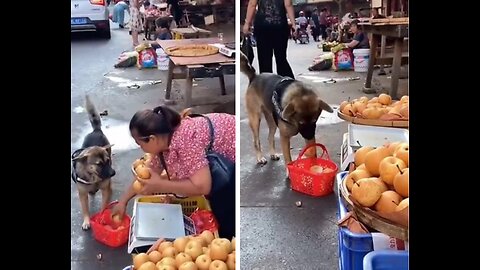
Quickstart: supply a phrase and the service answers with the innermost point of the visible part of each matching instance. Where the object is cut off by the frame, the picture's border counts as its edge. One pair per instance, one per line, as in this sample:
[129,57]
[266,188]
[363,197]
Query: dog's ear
[288,111]
[324,106]
[108,147]
[81,156]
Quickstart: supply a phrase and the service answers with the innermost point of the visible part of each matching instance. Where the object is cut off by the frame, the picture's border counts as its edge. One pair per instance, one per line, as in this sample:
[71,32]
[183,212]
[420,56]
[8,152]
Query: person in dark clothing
[315,25]
[360,40]
[271,30]
[323,23]
[175,10]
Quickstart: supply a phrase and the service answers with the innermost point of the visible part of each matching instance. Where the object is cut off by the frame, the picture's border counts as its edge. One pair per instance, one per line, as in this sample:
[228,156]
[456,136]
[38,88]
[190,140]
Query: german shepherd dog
[288,104]
[92,165]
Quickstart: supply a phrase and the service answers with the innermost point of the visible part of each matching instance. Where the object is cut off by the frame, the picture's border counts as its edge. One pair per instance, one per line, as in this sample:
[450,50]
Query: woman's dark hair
[159,121]
[355,22]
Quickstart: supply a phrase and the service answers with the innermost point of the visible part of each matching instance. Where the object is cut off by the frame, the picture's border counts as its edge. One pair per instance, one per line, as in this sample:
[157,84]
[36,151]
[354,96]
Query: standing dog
[92,165]
[288,104]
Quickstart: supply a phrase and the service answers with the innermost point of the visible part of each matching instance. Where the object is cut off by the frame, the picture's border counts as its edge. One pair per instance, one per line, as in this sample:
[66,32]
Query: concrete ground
[275,233]
[92,61]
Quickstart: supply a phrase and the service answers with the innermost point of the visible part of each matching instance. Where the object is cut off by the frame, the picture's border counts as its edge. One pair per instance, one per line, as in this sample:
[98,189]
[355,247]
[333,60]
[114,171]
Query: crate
[353,247]
[189,204]
[386,260]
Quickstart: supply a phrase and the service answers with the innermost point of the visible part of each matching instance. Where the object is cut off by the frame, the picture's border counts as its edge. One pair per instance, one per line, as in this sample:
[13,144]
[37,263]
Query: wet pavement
[92,61]
[275,233]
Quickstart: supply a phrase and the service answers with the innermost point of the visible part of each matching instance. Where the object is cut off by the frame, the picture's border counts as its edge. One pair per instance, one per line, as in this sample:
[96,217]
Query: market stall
[394,28]
[215,59]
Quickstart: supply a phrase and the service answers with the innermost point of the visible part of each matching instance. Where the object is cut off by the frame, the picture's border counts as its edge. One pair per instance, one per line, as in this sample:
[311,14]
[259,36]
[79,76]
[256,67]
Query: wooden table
[210,66]
[393,29]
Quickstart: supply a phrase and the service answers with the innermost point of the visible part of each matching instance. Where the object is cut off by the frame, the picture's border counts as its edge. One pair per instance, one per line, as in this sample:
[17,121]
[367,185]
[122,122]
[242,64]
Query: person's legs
[135,25]
[223,207]
[280,43]
[121,17]
[178,16]
[135,38]
[323,30]
[264,51]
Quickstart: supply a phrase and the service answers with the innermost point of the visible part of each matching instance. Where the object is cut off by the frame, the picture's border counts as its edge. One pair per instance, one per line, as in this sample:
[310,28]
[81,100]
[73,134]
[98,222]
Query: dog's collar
[80,180]
[277,96]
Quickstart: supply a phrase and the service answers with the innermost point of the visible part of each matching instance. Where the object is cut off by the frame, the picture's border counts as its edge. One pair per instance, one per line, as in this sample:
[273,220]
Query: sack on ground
[126,59]
[147,58]
[322,62]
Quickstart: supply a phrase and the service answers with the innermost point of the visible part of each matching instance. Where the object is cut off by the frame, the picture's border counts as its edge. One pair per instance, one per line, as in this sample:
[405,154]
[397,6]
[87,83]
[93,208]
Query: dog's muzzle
[307,131]
[107,172]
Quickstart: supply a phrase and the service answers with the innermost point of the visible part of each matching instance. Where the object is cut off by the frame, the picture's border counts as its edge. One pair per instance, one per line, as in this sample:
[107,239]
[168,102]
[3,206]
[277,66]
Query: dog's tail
[93,115]
[246,68]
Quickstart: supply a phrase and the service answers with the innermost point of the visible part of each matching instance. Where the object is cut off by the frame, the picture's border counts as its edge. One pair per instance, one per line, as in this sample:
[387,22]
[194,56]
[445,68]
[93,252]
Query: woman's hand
[153,184]
[119,209]
[155,245]
[246,28]
[154,163]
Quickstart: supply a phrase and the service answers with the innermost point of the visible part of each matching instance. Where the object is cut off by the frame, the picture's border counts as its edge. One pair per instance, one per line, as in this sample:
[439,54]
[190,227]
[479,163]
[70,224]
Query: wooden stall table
[210,66]
[395,28]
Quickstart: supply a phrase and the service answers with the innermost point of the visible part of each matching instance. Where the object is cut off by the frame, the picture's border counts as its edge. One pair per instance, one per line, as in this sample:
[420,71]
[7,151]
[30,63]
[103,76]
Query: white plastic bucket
[360,60]
[162,59]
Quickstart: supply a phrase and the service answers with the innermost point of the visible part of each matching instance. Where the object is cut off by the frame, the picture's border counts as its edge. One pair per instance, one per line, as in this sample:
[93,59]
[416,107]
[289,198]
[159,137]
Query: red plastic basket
[106,231]
[305,181]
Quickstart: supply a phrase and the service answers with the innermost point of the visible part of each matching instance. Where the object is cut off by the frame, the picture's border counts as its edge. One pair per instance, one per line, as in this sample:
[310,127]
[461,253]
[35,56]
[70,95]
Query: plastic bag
[147,58]
[247,49]
[343,60]
[204,220]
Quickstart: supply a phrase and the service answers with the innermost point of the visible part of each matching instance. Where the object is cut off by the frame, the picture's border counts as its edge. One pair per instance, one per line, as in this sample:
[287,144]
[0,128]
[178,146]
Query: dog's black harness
[306,130]
[277,99]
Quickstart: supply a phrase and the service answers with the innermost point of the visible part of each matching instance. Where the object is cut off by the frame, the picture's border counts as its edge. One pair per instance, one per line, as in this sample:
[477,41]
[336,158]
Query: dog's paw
[275,157]
[262,161]
[86,225]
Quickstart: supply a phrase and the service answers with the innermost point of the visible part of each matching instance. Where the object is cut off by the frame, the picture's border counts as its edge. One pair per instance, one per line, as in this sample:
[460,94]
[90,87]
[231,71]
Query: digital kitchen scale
[228,49]
[158,220]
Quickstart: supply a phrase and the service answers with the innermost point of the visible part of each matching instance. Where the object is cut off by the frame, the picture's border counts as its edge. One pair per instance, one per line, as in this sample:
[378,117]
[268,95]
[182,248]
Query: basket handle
[109,206]
[325,151]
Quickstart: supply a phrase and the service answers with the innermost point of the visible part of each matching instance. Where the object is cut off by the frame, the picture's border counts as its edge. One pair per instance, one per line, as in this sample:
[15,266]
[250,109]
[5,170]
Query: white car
[90,16]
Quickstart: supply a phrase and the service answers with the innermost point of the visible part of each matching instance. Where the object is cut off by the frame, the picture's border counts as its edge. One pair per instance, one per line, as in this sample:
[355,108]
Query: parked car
[90,16]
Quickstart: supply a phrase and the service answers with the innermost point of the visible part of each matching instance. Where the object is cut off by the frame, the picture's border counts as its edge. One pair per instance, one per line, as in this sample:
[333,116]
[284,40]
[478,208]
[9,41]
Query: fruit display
[200,252]
[327,46]
[317,169]
[376,110]
[380,180]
